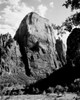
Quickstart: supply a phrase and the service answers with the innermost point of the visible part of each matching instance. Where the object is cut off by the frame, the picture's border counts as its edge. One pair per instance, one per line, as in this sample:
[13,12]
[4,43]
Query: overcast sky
[13,11]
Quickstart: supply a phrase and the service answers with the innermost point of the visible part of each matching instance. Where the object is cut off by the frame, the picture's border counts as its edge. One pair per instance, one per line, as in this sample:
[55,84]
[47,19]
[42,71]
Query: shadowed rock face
[37,44]
[73,47]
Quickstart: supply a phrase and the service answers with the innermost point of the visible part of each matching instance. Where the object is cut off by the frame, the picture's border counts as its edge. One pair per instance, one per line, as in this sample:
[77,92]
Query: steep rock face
[37,44]
[66,75]
[10,56]
[61,50]
[73,48]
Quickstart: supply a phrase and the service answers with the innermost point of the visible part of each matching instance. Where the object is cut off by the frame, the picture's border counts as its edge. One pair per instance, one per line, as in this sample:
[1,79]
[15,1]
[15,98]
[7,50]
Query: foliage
[74,4]
[59,89]
[75,86]
[72,21]
[50,90]
[13,90]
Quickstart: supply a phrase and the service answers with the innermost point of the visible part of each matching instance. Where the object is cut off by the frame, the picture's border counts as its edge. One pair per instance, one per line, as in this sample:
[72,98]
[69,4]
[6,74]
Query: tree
[73,20]
[74,4]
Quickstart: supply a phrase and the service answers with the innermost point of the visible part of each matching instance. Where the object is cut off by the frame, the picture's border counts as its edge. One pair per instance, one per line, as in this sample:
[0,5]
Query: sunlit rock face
[10,56]
[61,50]
[73,47]
[38,46]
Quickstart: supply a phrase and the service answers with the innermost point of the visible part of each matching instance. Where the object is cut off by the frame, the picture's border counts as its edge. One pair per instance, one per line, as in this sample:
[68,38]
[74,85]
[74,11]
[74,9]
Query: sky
[13,11]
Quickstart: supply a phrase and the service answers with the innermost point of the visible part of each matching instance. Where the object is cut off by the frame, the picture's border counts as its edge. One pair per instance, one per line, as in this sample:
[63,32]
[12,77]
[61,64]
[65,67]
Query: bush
[75,86]
[50,90]
[59,89]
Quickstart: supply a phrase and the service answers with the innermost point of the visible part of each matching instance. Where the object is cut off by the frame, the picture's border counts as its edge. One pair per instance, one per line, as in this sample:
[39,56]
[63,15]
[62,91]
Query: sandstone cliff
[33,54]
[38,46]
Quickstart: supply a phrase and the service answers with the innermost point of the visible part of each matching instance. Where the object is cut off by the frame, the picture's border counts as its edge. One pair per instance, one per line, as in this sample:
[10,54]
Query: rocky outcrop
[37,44]
[61,50]
[73,48]
[10,56]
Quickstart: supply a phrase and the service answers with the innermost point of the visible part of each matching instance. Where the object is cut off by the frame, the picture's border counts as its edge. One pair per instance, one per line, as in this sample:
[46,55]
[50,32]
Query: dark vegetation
[74,4]
[73,20]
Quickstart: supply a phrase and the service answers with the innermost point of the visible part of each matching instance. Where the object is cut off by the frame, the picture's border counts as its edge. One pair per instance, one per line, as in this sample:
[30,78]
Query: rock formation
[61,50]
[33,55]
[73,47]
[38,46]
[70,71]
[36,58]
[10,56]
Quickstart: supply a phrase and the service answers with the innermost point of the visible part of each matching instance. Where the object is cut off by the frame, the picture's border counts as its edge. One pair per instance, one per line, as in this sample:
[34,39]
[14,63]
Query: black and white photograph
[39,49]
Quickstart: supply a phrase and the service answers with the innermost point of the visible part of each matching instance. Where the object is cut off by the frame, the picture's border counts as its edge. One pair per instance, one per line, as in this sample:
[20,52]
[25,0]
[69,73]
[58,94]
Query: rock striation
[61,50]
[38,46]
[10,56]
